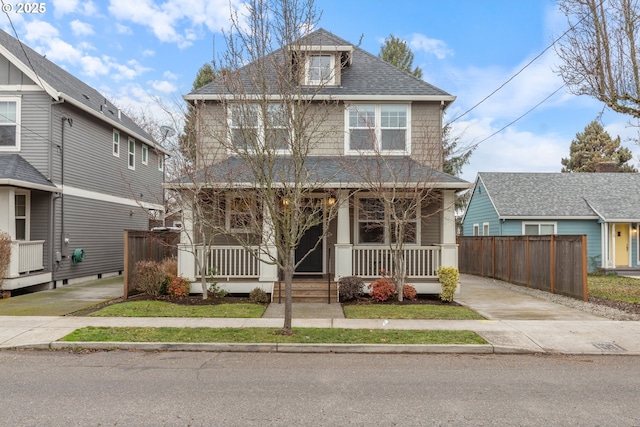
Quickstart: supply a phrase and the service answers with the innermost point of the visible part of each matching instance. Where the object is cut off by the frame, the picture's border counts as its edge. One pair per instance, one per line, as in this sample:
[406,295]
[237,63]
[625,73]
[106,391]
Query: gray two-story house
[378,128]
[75,172]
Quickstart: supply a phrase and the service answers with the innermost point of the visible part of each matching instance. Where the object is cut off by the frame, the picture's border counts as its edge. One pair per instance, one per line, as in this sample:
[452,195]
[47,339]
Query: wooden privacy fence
[555,263]
[141,245]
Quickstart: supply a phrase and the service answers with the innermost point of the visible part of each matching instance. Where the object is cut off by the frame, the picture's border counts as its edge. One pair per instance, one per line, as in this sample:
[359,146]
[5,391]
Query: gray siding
[11,75]
[98,228]
[89,163]
[430,224]
[39,222]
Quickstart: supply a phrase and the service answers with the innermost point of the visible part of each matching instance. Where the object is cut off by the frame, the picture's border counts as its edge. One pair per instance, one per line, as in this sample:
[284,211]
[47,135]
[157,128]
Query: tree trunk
[288,299]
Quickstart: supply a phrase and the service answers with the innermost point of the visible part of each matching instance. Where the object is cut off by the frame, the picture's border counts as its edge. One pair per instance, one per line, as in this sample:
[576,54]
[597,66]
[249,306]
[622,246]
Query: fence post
[126,265]
[552,261]
[585,289]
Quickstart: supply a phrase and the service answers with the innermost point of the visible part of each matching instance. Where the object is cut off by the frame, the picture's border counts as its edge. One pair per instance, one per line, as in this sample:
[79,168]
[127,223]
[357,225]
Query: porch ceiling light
[332,200]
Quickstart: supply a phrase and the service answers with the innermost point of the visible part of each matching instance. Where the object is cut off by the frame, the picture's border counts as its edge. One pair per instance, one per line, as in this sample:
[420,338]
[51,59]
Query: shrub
[409,292]
[350,287]
[259,296]
[449,278]
[5,255]
[169,266]
[178,287]
[216,291]
[382,289]
[148,277]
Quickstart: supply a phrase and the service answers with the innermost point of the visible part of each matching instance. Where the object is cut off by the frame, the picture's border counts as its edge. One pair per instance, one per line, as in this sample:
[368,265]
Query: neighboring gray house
[378,119]
[603,206]
[75,172]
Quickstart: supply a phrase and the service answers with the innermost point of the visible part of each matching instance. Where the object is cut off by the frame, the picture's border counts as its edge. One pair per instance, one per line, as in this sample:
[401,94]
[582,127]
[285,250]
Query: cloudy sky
[138,51]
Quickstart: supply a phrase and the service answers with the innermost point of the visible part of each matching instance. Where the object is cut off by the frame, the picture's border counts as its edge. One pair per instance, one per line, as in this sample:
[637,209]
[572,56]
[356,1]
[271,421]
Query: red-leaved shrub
[382,289]
[409,292]
[178,287]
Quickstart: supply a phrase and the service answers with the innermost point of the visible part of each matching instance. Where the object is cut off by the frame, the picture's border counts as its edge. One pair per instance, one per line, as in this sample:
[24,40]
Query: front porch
[26,267]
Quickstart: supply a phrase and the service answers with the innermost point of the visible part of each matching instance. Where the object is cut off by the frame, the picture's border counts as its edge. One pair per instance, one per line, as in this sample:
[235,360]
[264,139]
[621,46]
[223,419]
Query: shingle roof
[367,75]
[610,196]
[333,171]
[65,83]
[16,171]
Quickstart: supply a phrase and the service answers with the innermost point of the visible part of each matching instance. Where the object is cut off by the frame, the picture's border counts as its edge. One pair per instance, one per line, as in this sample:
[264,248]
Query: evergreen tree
[206,74]
[595,146]
[395,51]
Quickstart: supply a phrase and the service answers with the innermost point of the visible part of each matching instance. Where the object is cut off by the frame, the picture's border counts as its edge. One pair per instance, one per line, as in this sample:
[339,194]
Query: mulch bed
[628,307]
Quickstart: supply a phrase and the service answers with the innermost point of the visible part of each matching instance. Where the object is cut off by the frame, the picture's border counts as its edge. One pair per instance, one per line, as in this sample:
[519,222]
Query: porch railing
[420,262]
[230,262]
[29,257]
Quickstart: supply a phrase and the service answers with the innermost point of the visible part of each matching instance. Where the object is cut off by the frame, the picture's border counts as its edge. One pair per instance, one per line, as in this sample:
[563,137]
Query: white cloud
[164,19]
[93,66]
[169,75]
[422,43]
[163,86]
[64,7]
[80,29]
[148,52]
[39,31]
[123,29]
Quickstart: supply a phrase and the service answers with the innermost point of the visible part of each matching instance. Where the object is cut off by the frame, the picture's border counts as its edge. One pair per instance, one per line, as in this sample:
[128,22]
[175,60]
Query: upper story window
[116,143]
[378,128]
[252,127]
[320,69]
[145,155]
[160,161]
[132,153]
[9,119]
[538,229]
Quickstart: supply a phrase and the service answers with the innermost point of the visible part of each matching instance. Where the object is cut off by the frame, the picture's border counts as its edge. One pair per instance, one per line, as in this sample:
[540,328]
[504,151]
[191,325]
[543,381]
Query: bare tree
[599,53]
[256,139]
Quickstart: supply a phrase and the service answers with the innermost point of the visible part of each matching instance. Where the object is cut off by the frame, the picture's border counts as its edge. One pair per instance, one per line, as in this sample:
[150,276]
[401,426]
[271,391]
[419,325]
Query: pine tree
[593,147]
[395,51]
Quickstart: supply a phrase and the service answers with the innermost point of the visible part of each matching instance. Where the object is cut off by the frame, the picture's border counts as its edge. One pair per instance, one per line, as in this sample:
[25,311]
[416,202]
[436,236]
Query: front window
[239,212]
[132,153]
[9,129]
[21,210]
[382,224]
[485,229]
[378,128]
[538,229]
[251,128]
[320,69]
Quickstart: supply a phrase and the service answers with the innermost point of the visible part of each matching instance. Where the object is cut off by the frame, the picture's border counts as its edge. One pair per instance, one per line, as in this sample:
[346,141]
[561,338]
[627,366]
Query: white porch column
[186,248]
[604,246]
[268,272]
[344,248]
[448,245]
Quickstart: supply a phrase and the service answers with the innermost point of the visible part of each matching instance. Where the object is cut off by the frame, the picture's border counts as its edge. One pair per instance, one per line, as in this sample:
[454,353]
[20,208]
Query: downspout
[52,200]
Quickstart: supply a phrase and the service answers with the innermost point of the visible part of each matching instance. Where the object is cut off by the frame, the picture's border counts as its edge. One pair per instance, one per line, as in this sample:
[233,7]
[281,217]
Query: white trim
[27,214]
[21,88]
[459,186]
[485,226]
[378,131]
[17,123]
[25,69]
[539,223]
[115,145]
[332,69]
[92,195]
[476,229]
[131,154]
[319,97]
[144,154]
[29,185]
[387,233]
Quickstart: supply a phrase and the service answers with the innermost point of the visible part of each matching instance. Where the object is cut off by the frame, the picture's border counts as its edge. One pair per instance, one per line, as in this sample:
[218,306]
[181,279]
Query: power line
[521,69]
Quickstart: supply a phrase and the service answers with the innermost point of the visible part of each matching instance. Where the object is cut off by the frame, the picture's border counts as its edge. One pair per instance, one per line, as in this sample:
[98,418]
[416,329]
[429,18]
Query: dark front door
[313,262]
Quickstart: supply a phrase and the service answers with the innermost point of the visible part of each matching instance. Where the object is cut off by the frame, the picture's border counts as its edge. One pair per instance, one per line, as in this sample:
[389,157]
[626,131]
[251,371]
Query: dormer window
[320,69]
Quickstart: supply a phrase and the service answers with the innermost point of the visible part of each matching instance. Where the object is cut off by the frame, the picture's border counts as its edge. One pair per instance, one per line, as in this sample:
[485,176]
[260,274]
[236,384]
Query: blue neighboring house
[603,206]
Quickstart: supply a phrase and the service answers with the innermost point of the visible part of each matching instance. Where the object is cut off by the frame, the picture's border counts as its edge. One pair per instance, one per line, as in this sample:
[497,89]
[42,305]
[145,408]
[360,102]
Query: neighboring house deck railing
[234,262]
[420,262]
[29,257]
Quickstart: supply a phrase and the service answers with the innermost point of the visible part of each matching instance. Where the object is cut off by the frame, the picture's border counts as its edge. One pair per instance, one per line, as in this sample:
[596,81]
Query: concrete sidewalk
[516,323]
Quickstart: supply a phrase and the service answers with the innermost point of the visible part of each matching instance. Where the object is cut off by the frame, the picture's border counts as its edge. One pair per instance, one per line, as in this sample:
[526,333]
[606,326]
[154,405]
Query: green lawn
[415,311]
[271,335]
[613,287]
[166,309]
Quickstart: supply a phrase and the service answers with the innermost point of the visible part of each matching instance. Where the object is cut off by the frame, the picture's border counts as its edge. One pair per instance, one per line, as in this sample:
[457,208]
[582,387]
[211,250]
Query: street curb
[283,348]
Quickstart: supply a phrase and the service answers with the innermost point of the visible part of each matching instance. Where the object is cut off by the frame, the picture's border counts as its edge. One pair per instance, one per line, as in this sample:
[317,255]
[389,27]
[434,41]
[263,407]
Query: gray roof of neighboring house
[367,75]
[16,171]
[609,196]
[332,172]
[63,82]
